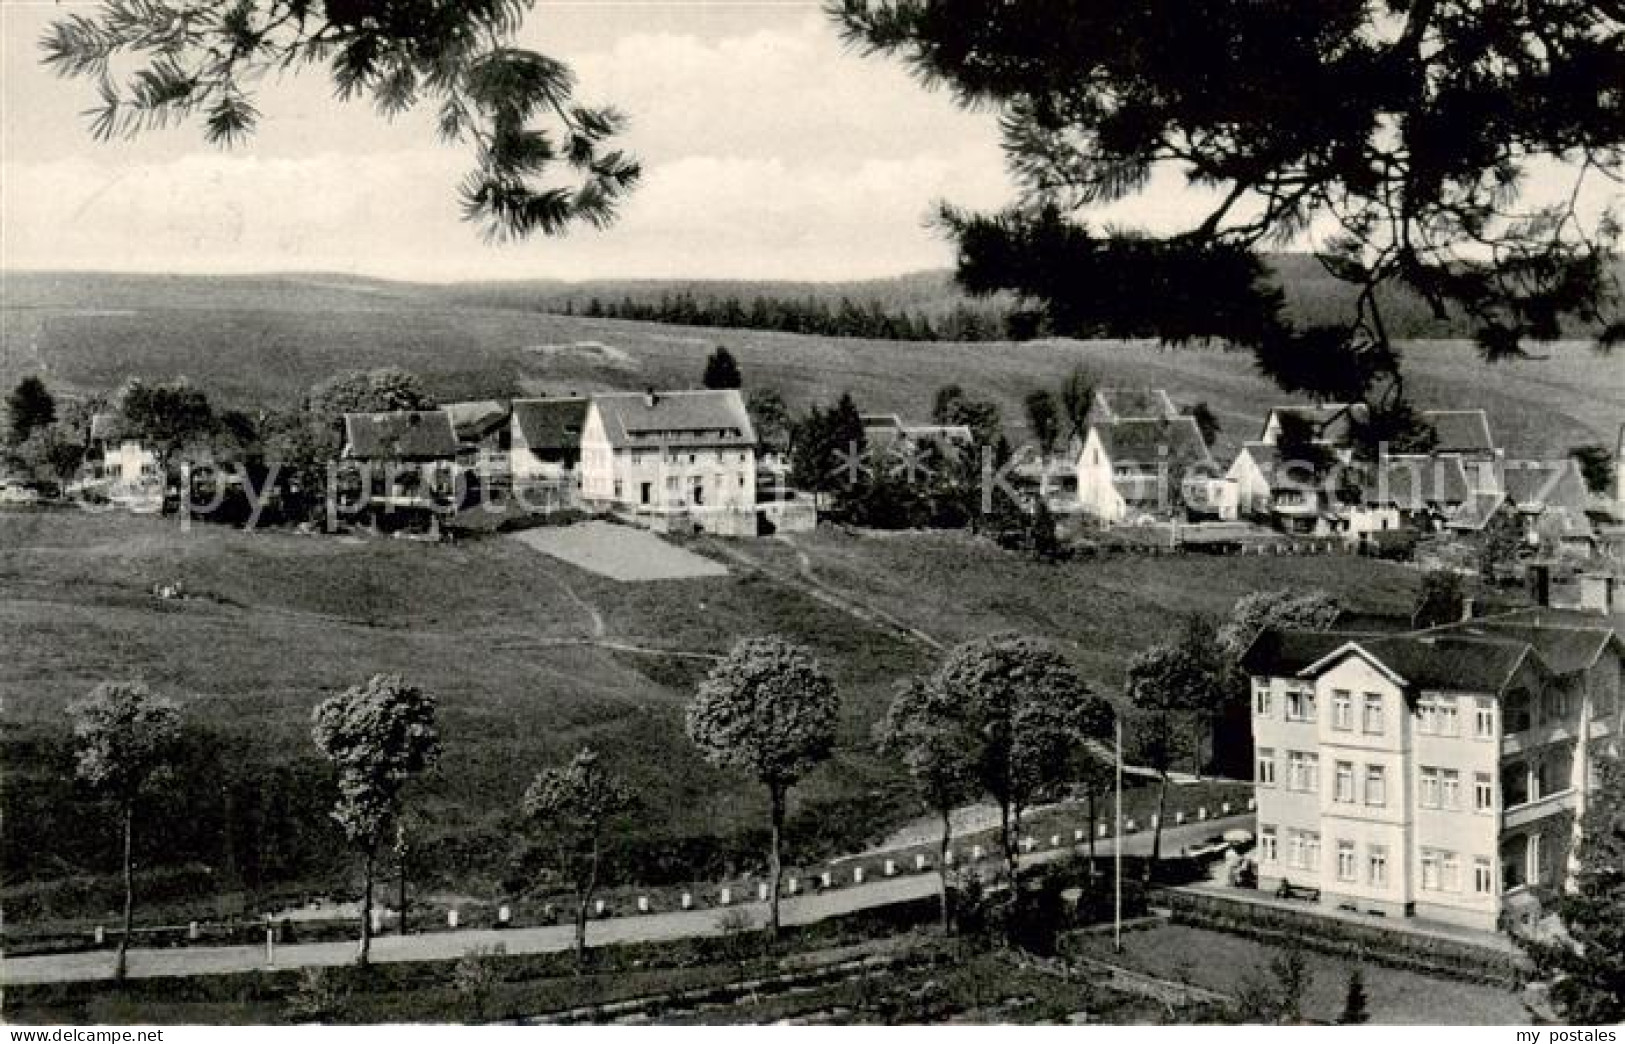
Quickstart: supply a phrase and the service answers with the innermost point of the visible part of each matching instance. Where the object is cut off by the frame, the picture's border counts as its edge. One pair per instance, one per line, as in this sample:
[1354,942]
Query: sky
[769,151]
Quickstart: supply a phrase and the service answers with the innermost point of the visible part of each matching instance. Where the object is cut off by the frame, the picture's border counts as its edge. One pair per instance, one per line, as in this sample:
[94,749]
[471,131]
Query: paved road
[803,909]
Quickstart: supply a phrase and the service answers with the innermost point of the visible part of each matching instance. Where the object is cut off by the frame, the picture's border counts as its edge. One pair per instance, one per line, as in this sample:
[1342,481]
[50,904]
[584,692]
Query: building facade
[1437,774]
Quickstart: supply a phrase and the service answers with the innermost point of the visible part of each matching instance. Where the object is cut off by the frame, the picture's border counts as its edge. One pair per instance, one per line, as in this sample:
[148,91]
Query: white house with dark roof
[1330,424]
[401,459]
[1421,491]
[1129,469]
[1440,773]
[121,466]
[544,440]
[684,452]
[482,429]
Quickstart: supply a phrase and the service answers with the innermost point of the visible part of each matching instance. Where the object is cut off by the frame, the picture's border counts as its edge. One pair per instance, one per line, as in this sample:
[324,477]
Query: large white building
[689,453]
[1439,773]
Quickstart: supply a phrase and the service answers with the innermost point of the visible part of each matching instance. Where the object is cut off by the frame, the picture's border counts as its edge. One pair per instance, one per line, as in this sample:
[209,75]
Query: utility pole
[1117,881]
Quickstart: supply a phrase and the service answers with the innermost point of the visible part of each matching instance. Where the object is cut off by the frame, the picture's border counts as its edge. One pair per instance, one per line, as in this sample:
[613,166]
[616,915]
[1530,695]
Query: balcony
[1541,735]
[1521,815]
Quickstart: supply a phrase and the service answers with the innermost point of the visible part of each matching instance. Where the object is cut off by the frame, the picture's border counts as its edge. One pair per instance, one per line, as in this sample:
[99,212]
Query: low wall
[1392,945]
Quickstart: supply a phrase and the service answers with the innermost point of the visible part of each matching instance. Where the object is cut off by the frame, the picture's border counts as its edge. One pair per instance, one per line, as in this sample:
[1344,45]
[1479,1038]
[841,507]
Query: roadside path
[449,945]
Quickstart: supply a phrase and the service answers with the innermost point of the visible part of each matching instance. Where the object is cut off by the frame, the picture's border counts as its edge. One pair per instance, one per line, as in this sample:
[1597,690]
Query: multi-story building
[1438,773]
[691,453]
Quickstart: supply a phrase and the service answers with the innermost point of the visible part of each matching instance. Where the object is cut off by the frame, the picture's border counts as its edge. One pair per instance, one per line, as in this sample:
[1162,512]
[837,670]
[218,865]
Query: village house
[676,457]
[1293,496]
[1440,773]
[1415,491]
[482,430]
[1465,435]
[1129,470]
[404,460]
[1330,425]
[545,443]
[1549,499]
[121,466]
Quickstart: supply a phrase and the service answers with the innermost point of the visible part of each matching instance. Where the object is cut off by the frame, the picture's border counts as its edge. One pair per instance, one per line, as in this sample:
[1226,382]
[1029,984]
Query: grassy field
[275,621]
[255,341]
[1225,963]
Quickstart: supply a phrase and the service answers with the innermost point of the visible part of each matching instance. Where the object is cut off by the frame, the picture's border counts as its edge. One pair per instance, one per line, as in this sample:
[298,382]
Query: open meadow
[530,657]
[263,341]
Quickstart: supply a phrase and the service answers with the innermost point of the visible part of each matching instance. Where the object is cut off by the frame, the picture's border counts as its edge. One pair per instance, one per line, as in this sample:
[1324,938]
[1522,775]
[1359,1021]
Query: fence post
[857,875]
[688,900]
[101,935]
[270,945]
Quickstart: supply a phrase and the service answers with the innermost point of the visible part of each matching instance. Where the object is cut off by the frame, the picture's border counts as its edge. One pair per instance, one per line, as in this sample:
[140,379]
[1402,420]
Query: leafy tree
[1206,421]
[1355,1008]
[1410,180]
[722,370]
[1027,708]
[573,807]
[1161,683]
[1276,997]
[1043,419]
[124,735]
[1499,543]
[1440,601]
[1587,962]
[169,416]
[952,405]
[771,418]
[383,390]
[1597,466]
[53,453]
[923,731]
[515,107]
[378,736]
[770,710]
[1094,775]
[29,407]
[1077,399]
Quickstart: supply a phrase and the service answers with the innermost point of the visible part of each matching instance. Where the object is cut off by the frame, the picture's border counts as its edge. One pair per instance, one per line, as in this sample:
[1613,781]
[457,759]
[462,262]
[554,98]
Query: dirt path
[807,582]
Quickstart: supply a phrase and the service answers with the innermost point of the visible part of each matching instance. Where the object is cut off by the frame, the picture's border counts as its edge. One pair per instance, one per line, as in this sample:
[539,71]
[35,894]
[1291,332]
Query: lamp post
[1117,843]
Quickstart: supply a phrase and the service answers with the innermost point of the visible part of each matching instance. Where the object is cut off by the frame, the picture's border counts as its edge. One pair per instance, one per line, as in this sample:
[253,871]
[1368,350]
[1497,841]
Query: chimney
[650,397]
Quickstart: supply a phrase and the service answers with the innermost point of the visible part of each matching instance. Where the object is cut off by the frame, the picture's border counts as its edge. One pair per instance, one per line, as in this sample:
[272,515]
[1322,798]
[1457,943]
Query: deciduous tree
[572,808]
[123,736]
[378,736]
[767,709]
[923,729]
[382,390]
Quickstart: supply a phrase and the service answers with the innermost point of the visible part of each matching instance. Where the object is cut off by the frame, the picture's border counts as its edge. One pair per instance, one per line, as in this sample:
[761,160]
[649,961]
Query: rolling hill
[263,340]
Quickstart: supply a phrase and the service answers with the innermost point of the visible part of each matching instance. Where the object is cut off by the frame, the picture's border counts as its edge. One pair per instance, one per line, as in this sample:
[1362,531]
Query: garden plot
[620,552]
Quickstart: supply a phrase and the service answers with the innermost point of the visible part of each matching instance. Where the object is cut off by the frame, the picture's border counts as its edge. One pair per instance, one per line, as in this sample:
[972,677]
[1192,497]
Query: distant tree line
[965,321]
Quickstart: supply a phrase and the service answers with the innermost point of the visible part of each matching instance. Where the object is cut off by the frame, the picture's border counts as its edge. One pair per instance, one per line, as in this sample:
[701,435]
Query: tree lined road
[655,927]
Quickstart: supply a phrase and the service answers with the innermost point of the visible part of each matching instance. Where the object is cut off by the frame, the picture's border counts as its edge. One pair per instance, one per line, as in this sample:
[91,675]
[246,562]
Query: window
[1263,704]
[1427,716]
[1266,844]
[1450,788]
[1517,711]
[1376,785]
[1483,876]
[1342,709]
[1483,792]
[1537,864]
[1430,870]
[1345,860]
[1451,866]
[1303,771]
[1428,792]
[1377,866]
[1344,785]
[1311,851]
[1300,705]
[1373,714]
[1483,718]
[1266,766]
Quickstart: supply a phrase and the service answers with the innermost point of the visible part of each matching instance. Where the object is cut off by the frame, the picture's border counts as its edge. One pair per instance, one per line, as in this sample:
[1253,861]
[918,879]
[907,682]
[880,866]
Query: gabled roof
[1333,421]
[1437,661]
[1148,443]
[1563,649]
[1413,482]
[475,420]
[1133,404]
[551,424]
[1475,512]
[1460,431]
[1282,654]
[1534,485]
[402,435]
[710,418]
[109,426]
